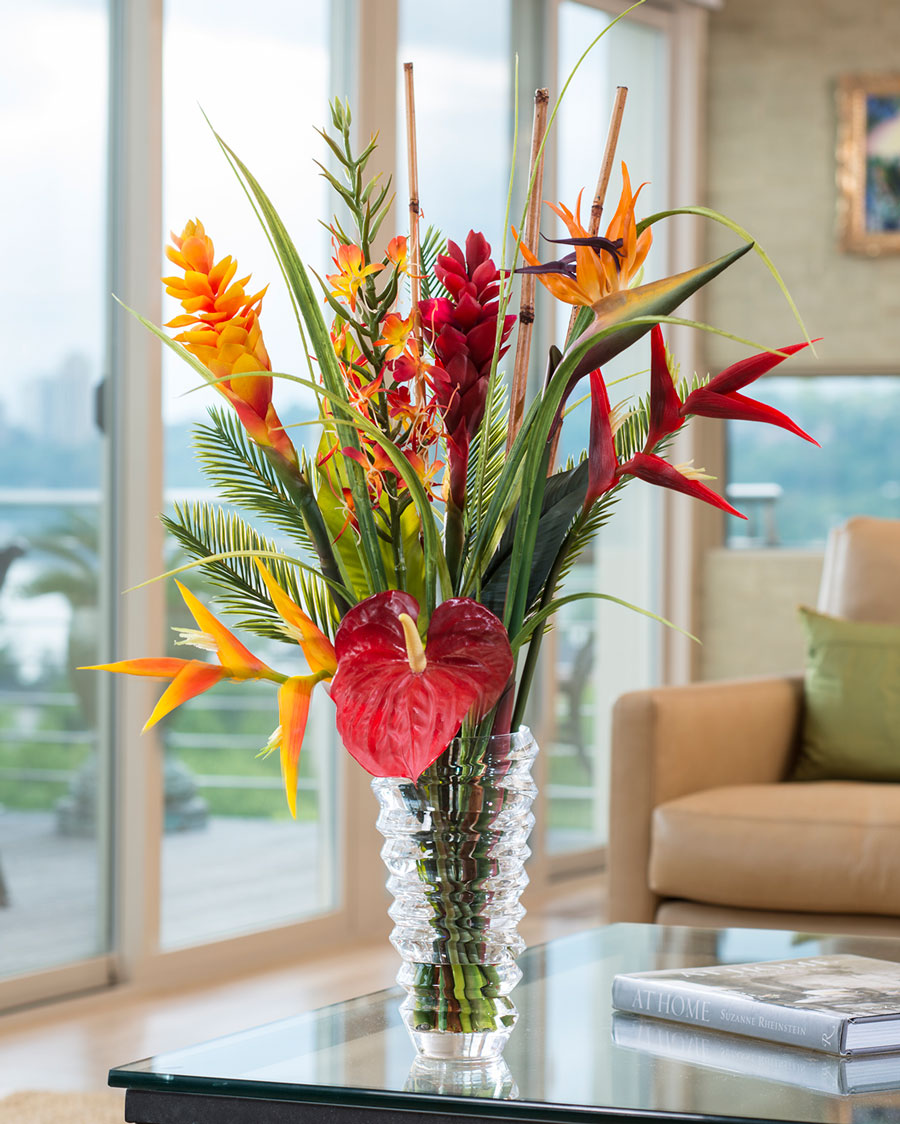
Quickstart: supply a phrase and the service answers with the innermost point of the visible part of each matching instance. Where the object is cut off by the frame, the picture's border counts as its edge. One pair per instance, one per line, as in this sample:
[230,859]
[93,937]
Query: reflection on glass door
[53,109]
[232,858]
[601,650]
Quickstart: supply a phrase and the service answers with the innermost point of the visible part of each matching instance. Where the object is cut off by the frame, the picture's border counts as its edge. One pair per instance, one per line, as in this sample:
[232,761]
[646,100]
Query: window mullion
[134,533]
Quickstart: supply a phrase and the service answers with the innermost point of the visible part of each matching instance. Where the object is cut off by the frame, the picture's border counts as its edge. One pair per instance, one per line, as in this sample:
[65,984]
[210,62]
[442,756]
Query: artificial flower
[223,332]
[190,678]
[401,701]
[351,275]
[462,330]
[716,399]
[598,265]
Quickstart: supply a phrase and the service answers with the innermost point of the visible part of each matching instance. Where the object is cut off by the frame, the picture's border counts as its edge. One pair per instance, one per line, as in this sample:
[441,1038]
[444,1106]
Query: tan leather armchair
[703,829]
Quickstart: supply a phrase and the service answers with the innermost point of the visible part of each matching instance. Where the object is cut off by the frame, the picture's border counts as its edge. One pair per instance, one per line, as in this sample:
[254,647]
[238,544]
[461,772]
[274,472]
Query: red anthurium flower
[400,702]
[684,479]
[462,331]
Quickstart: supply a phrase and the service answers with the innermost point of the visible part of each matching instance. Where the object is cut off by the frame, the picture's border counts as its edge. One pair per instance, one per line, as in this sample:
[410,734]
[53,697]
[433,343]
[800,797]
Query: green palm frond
[489,444]
[243,476]
[433,243]
[204,529]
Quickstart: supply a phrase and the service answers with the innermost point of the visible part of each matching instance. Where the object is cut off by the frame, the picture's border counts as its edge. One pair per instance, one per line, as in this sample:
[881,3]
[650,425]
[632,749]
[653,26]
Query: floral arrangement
[433,529]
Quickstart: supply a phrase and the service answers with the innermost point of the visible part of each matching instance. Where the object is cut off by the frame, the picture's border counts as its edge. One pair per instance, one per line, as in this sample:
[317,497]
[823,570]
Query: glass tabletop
[568,1053]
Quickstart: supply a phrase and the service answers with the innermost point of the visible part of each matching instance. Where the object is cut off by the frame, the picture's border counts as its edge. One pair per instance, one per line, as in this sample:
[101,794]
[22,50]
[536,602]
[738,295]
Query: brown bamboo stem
[609,155]
[414,254]
[529,239]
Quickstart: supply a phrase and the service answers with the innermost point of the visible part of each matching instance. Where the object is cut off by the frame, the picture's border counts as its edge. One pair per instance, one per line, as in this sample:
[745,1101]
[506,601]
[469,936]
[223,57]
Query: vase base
[446,1045]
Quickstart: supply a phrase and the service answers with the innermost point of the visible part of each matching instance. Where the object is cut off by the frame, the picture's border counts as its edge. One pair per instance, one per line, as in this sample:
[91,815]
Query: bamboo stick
[529,239]
[609,155]
[414,253]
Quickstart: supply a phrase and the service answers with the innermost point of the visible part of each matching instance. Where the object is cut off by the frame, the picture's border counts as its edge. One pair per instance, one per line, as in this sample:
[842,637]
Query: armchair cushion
[821,847]
[851,728]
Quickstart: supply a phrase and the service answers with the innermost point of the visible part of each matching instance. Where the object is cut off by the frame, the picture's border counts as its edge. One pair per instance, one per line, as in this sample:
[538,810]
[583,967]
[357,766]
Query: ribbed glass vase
[455,849]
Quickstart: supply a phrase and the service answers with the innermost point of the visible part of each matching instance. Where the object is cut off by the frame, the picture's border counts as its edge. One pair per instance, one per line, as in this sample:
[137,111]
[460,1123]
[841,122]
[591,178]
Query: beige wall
[772,120]
[772,126]
[749,615]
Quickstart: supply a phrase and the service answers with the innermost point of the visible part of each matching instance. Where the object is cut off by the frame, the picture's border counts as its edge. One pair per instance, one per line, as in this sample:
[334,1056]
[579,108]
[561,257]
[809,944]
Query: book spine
[721,1010]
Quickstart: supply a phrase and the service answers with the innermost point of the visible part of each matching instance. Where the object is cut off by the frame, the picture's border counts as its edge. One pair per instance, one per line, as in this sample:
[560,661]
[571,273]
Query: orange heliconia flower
[594,270]
[191,677]
[224,333]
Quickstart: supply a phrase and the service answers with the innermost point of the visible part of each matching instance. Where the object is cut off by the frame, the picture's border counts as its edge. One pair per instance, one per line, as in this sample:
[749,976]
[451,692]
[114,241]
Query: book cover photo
[839,1004]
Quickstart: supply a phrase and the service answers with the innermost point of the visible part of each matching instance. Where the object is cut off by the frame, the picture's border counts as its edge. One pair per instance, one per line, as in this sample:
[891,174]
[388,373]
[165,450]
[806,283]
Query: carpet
[63,1108]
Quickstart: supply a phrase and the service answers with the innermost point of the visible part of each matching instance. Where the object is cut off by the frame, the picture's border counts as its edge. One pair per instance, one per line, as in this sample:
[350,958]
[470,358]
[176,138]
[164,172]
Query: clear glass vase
[455,849]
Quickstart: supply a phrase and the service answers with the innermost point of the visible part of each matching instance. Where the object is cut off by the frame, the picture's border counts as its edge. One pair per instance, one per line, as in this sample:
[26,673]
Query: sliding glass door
[54,858]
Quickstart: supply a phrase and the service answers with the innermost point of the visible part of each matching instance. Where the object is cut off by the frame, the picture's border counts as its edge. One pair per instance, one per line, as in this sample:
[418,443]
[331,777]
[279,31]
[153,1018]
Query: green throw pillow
[851,729]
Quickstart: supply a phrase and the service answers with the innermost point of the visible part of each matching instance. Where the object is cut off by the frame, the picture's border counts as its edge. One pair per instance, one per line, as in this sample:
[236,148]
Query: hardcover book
[840,1004]
[765,1061]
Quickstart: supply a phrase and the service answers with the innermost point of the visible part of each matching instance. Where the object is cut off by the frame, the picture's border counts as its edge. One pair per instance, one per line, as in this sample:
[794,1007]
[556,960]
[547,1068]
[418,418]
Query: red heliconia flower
[682,478]
[399,702]
[462,330]
[718,399]
[604,471]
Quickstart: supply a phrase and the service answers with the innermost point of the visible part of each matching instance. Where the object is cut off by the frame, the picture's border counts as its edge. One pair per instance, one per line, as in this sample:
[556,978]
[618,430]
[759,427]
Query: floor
[71,1045]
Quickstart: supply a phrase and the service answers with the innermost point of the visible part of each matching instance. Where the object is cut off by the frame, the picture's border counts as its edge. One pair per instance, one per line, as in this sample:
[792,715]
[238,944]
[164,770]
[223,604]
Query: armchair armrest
[671,741]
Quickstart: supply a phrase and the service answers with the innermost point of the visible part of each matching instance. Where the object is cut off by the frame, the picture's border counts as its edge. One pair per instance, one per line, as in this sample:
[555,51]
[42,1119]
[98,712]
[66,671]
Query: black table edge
[146,1106]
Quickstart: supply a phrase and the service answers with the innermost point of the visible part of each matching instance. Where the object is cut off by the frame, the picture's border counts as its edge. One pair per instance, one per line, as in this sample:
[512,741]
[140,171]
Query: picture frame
[868,164]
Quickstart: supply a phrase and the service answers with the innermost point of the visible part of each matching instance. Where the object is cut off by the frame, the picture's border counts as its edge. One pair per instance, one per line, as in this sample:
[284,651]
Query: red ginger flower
[224,333]
[462,330]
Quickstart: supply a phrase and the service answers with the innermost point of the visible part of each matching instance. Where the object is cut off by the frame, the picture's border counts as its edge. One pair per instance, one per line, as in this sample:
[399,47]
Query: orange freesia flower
[224,333]
[597,266]
[191,677]
[351,275]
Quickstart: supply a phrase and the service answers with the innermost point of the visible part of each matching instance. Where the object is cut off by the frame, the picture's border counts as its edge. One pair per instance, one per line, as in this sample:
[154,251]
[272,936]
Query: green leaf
[554,606]
[715,216]
[308,305]
[658,298]
[563,499]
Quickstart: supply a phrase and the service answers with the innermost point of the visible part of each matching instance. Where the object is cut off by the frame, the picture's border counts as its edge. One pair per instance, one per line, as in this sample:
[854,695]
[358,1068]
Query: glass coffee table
[569,1057]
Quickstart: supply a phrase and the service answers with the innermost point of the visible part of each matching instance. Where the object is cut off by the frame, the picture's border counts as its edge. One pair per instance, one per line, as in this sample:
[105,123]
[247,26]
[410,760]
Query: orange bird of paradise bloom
[191,677]
[597,266]
[223,332]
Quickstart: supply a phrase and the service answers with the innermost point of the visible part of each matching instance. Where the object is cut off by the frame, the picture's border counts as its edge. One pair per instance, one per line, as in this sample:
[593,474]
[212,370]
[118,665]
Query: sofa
[705,827]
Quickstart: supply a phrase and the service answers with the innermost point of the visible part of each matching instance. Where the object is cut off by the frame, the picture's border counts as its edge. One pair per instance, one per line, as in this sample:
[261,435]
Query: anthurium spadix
[399,700]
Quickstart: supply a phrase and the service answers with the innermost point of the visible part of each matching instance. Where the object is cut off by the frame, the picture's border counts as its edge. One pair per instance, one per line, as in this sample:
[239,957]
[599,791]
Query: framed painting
[868,158]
